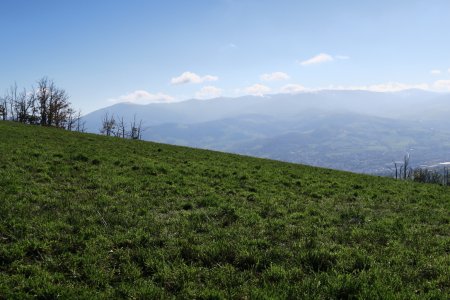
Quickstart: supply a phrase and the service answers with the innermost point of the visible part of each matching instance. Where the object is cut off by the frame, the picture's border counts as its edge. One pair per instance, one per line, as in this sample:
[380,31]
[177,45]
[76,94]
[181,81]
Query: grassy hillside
[85,216]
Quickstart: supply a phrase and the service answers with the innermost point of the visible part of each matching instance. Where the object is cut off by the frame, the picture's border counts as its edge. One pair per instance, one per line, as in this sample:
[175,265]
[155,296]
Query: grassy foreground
[87,217]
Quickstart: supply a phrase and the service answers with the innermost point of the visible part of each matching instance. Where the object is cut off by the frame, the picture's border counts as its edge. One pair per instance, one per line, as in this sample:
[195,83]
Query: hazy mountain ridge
[351,130]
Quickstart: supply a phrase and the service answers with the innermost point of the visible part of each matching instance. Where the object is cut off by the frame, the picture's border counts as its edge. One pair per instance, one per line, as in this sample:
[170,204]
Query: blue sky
[106,51]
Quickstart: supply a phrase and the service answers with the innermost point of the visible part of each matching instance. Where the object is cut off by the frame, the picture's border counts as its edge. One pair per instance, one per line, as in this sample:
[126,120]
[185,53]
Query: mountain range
[359,131]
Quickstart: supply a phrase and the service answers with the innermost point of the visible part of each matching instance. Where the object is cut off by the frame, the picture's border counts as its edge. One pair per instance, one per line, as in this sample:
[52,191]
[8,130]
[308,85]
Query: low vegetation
[95,217]
[439,174]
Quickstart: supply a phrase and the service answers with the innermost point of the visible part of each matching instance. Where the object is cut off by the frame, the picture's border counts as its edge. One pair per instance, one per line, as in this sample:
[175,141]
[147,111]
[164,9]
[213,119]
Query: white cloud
[318,59]
[209,92]
[275,76]
[293,89]
[257,90]
[143,97]
[437,86]
[384,87]
[442,85]
[435,72]
[189,77]
[396,87]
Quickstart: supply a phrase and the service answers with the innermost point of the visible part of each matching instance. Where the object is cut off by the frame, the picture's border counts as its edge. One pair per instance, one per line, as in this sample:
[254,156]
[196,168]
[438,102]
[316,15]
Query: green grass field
[90,217]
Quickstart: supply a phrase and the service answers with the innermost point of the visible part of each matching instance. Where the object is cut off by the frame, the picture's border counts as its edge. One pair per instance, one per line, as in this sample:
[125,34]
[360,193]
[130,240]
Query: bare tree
[71,119]
[112,126]
[59,107]
[406,170]
[33,113]
[10,101]
[121,128]
[108,125]
[446,173]
[4,109]
[428,176]
[53,103]
[43,98]
[396,166]
[403,169]
[80,127]
[136,129]
[24,107]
